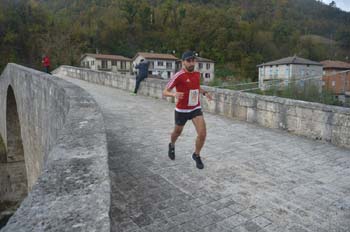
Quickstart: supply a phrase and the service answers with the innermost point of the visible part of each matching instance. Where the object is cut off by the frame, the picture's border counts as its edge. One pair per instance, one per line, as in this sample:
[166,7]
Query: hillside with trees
[237,34]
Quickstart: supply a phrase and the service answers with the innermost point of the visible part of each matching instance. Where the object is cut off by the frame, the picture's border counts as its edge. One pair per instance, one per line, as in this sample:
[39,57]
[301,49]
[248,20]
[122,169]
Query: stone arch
[3,158]
[13,129]
[13,174]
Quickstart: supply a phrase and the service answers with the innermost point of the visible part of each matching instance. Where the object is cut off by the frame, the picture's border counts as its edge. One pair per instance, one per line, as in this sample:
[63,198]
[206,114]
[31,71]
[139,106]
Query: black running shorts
[181,118]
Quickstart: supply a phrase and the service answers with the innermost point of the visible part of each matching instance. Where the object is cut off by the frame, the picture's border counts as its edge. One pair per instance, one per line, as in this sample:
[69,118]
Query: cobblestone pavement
[255,179]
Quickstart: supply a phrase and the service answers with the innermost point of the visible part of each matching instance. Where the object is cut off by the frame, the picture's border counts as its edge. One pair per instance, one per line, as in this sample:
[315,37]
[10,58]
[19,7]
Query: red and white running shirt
[189,84]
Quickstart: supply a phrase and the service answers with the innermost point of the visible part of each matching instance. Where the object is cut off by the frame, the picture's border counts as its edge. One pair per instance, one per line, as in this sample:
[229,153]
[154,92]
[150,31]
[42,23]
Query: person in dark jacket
[143,73]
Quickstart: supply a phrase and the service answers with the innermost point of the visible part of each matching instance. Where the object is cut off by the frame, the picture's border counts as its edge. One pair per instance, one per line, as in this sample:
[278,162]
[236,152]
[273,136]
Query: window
[307,71]
[123,65]
[208,66]
[287,71]
[200,65]
[160,63]
[333,83]
[114,62]
[92,62]
[151,64]
[104,64]
[169,65]
[207,75]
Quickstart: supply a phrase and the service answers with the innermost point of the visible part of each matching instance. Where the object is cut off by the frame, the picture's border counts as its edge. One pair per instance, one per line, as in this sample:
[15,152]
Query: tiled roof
[333,64]
[291,60]
[106,56]
[201,59]
[149,55]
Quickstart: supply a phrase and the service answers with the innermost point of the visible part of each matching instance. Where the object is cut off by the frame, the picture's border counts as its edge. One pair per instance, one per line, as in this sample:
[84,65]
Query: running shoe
[171,151]
[199,163]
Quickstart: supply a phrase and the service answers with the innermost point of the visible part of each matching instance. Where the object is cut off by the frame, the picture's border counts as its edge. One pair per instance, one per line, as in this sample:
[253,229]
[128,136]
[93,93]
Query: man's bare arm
[168,93]
[206,94]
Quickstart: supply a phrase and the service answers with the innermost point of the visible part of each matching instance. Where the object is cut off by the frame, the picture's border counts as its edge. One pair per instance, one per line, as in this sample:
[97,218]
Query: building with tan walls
[105,62]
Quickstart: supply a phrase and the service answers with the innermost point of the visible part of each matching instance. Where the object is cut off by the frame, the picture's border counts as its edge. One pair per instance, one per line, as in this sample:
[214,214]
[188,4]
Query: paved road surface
[255,179]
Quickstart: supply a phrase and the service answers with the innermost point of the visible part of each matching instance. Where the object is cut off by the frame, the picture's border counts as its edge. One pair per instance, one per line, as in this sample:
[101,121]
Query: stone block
[240,112]
[251,115]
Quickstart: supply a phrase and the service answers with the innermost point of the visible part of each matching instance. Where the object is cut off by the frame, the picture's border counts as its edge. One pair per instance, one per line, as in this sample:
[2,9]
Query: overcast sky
[342,4]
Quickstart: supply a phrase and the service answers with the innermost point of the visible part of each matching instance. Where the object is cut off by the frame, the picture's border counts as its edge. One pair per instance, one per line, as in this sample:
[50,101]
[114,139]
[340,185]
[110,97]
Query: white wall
[157,70]
[204,70]
[91,62]
[303,71]
[286,72]
[118,67]
[96,64]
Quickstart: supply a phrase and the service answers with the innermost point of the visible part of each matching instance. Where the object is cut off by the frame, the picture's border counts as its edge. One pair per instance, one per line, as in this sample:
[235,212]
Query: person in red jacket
[188,107]
[46,63]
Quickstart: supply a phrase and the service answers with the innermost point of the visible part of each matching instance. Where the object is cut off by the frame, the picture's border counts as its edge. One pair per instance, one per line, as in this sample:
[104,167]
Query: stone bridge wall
[65,154]
[312,120]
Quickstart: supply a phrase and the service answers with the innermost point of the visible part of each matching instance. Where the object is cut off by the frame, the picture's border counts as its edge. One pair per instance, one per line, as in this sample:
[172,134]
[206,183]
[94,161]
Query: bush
[309,91]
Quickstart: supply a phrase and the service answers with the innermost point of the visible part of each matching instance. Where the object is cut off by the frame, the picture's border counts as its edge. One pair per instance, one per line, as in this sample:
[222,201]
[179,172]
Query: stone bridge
[89,157]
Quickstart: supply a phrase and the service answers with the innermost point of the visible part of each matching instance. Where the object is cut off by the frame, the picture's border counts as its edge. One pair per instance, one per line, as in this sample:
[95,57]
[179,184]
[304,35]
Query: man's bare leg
[176,133]
[199,124]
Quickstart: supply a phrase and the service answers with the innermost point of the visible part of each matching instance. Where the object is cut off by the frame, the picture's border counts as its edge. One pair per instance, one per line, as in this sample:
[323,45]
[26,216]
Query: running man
[188,107]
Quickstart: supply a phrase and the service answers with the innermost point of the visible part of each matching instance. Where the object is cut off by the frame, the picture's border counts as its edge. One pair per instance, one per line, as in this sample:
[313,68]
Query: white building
[162,65]
[286,69]
[103,62]
[206,68]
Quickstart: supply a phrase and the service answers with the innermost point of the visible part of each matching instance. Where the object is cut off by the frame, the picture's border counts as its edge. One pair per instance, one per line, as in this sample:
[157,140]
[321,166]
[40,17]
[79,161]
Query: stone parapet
[312,120]
[65,154]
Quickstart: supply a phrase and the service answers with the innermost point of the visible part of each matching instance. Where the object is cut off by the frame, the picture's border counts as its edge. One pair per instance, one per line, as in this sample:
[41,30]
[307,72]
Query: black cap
[187,55]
